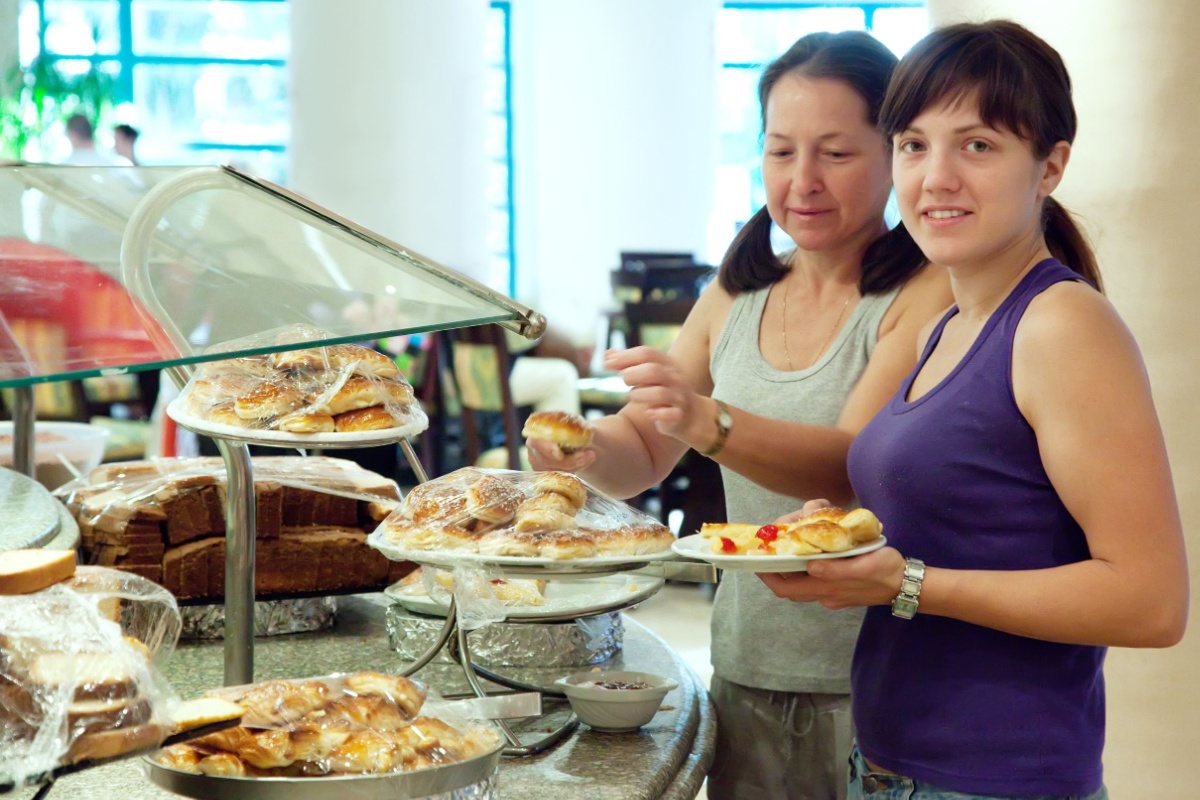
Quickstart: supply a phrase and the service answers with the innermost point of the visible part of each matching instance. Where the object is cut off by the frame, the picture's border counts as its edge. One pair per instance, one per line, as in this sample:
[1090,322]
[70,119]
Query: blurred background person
[82,136]
[124,139]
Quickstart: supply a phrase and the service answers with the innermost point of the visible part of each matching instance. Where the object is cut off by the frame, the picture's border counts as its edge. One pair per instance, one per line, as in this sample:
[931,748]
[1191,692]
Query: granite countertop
[667,758]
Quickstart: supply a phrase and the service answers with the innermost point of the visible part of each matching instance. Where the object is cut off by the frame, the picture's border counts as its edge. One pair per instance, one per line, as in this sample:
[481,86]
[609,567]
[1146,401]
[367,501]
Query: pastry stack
[335,389]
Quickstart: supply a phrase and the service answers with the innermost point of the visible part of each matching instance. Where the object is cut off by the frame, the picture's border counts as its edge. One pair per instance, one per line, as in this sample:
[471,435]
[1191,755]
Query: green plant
[40,97]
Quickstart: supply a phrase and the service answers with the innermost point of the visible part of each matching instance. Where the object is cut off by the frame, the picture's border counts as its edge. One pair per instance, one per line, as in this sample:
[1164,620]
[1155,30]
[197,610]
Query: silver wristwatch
[906,603]
[724,422]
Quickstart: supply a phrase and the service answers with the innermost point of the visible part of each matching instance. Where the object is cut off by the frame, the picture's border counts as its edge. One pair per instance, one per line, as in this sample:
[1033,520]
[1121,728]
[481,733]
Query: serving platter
[418,423]
[388,786]
[700,549]
[582,597]
[516,566]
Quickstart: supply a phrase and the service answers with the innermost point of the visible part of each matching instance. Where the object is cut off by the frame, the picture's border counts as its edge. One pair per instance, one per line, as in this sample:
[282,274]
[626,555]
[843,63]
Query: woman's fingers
[546,455]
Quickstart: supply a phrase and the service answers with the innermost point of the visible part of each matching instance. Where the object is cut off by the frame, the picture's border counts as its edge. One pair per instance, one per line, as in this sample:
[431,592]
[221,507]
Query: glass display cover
[110,269]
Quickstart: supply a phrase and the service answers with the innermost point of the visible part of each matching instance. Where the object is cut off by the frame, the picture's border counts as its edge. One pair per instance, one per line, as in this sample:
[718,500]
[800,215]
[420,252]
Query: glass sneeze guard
[223,256]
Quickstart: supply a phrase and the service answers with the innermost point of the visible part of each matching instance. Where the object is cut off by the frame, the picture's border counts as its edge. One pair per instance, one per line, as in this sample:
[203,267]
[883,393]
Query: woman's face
[970,193]
[826,169]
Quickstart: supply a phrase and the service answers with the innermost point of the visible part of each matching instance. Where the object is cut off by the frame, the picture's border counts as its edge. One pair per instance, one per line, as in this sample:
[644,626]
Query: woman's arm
[628,454]
[1080,382]
[792,458]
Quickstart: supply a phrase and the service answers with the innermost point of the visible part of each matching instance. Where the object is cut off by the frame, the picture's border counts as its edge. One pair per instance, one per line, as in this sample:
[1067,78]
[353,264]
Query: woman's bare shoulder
[923,299]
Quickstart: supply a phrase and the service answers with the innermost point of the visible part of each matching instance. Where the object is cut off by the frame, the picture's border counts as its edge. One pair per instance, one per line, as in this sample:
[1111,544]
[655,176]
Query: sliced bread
[25,571]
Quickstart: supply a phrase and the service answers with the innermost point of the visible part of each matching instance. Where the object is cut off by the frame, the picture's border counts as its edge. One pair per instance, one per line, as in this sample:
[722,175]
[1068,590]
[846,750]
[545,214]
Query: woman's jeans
[867,785]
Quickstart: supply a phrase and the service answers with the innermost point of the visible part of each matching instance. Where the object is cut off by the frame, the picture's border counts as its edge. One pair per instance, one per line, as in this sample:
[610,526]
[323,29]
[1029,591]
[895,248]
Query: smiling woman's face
[826,168]
[969,193]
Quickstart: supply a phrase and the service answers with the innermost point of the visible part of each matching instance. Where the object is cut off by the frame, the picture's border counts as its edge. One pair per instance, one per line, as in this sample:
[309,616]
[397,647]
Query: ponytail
[750,263]
[1068,244]
[890,261]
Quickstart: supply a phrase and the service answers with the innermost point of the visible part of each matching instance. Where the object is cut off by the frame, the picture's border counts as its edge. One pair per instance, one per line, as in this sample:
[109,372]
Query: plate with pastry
[531,599]
[824,534]
[336,395]
[549,522]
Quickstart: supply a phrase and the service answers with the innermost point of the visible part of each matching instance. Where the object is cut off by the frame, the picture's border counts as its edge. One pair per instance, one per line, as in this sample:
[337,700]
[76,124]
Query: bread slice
[108,744]
[192,714]
[25,571]
[94,676]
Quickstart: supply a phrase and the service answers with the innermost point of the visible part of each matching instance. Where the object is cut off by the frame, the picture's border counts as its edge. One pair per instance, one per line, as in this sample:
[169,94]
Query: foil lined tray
[513,644]
[271,617]
[473,779]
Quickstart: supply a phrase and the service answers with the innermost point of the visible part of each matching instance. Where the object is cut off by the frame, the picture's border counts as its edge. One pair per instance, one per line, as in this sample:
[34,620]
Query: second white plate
[580,597]
[701,549]
[418,423]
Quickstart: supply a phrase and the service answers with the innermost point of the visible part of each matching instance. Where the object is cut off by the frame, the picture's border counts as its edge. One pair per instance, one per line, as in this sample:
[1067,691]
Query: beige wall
[1133,177]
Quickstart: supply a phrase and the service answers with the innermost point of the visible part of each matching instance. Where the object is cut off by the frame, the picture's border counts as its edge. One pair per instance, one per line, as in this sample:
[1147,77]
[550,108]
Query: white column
[388,121]
[615,143]
[1132,179]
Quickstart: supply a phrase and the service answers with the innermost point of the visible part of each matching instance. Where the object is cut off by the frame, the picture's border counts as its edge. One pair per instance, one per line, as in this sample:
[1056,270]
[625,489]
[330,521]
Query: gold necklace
[828,338]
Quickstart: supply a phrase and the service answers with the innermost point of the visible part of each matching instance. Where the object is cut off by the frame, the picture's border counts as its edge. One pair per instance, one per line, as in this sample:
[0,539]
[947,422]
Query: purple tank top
[957,479]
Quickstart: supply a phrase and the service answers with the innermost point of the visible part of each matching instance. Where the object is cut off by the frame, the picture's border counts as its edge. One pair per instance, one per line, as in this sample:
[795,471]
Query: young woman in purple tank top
[1020,471]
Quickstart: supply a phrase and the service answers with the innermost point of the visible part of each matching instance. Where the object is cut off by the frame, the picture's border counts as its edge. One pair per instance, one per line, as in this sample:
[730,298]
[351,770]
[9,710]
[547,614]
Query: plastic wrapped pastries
[551,515]
[342,388]
[77,671]
[164,519]
[364,723]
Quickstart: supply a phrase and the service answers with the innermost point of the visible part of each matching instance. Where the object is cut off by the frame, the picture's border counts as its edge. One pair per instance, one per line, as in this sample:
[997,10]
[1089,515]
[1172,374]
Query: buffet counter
[667,758]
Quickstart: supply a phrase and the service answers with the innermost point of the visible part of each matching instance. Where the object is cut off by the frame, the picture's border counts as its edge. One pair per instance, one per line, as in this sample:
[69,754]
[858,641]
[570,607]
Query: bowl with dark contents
[614,702]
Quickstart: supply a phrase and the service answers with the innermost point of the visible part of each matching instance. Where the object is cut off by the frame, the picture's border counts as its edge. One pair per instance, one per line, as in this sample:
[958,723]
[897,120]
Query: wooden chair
[655,324]
[479,365]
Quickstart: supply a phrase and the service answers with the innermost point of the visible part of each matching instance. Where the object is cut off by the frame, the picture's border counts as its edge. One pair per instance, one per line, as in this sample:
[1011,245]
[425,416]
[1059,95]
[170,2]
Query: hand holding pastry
[557,440]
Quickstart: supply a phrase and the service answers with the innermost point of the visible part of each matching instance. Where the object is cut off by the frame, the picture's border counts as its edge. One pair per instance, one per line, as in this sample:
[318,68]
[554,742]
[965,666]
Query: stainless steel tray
[392,786]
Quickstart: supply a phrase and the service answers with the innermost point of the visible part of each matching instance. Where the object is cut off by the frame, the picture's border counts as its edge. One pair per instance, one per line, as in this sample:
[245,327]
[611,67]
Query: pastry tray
[267,438]
[390,786]
[516,566]
[79,766]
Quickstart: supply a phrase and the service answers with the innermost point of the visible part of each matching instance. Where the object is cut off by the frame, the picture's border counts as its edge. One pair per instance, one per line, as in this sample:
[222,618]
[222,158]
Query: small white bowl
[615,710]
[78,443]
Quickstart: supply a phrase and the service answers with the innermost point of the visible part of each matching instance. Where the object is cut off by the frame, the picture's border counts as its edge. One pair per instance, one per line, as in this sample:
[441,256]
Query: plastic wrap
[364,723]
[514,644]
[78,678]
[164,519]
[341,388]
[540,515]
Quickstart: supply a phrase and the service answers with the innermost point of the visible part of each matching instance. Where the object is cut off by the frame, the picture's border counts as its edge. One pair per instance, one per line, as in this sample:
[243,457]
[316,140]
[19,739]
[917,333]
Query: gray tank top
[759,640]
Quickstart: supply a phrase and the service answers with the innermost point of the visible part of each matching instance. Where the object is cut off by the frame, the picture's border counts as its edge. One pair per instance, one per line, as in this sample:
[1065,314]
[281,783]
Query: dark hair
[1020,83]
[79,125]
[128,131]
[866,65]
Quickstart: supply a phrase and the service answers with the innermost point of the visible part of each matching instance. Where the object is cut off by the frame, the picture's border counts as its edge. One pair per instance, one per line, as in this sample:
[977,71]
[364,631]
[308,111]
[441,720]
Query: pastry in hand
[570,432]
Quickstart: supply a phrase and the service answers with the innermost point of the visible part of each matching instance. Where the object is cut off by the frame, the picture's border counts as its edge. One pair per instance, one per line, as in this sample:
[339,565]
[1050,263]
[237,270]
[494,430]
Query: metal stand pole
[24,416]
[240,533]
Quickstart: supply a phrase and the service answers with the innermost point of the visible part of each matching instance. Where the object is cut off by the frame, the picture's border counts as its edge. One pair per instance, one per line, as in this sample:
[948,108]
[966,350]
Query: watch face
[726,419]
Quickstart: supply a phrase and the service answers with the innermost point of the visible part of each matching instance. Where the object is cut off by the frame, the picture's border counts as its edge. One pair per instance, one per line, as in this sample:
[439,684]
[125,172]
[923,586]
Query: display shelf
[191,263]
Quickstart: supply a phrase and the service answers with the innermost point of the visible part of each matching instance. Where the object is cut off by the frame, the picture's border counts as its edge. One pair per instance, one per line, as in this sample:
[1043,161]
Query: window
[750,35]
[500,228]
[205,81]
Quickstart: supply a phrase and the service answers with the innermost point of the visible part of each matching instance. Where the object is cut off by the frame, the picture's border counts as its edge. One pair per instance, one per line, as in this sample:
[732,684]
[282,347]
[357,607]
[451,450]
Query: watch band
[906,603]
[724,423]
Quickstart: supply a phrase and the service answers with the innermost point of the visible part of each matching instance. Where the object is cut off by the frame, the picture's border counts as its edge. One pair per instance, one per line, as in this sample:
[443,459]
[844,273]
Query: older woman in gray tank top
[780,363]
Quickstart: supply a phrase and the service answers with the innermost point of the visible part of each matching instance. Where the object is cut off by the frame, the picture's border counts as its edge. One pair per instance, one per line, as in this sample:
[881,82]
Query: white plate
[581,597]
[699,548]
[515,565]
[419,423]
